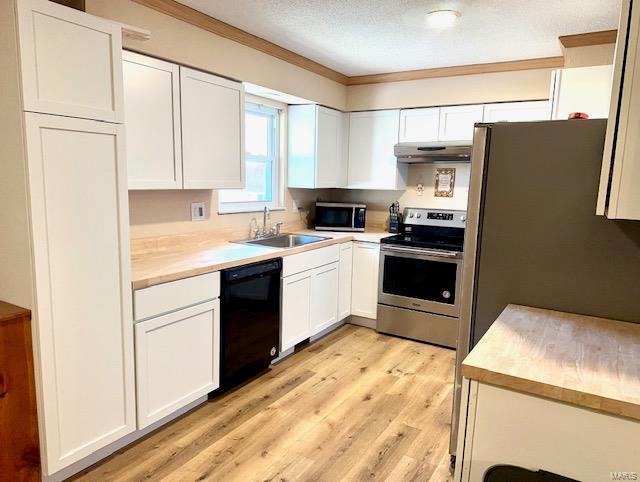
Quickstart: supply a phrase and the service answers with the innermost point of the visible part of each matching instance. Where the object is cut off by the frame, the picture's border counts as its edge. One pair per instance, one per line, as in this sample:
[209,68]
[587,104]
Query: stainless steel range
[420,274]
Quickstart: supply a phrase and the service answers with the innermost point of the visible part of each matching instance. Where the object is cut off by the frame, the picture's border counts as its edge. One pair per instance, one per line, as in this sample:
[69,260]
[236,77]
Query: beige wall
[378,201]
[588,56]
[464,89]
[183,43]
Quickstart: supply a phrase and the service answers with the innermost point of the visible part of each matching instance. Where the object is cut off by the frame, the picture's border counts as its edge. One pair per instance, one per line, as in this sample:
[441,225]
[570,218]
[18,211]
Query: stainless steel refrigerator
[532,235]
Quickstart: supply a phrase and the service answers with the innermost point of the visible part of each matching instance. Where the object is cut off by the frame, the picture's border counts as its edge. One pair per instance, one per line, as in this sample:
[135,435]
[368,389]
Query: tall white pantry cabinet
[64,248]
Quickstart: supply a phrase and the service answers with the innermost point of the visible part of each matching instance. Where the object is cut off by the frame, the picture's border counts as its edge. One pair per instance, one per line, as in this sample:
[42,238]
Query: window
[262,187]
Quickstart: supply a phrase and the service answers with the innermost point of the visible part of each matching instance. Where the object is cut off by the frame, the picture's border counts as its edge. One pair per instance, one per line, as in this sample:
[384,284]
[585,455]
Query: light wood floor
[355,405]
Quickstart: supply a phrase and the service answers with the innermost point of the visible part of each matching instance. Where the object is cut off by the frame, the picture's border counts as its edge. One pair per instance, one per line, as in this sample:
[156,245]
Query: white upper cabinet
[81,262]
[71,62]
[517,111]
[420,125]
[619,196]
[372,162]
[317,147]
[456,122]
[212,131]
[583,89]
[152,122]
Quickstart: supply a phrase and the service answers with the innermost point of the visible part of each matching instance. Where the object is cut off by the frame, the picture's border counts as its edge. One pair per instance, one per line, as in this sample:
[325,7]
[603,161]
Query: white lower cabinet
[344,280]
[309,294]
[324,297]
[364,291]
[177,360]
[505,427]
[296,310]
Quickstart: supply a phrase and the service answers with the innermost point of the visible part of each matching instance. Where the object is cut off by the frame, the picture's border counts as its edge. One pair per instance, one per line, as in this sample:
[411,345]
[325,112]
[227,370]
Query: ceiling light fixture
[442,18]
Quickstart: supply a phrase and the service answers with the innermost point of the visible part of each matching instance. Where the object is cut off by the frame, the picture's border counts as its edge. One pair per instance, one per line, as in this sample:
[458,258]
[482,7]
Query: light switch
[197,212]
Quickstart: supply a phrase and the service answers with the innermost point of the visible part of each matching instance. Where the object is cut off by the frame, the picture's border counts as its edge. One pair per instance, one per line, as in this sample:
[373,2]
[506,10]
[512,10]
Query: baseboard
[362,321]
[105,452]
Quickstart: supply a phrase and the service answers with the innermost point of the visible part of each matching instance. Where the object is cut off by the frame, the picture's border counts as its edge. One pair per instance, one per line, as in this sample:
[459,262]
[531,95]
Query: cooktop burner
[431,229]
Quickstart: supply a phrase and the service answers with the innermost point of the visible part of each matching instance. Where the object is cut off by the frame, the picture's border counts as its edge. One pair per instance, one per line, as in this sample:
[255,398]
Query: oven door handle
[423,252]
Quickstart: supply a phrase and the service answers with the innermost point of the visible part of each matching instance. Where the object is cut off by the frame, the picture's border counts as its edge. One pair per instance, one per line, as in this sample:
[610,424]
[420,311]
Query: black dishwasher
[249,320]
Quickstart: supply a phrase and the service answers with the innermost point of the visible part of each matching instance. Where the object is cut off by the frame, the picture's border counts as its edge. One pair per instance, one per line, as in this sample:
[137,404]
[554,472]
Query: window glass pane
[256,131]
[261,147]
[259,184]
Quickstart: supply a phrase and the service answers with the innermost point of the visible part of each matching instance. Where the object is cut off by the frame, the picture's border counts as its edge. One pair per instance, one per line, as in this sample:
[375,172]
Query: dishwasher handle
[252,270]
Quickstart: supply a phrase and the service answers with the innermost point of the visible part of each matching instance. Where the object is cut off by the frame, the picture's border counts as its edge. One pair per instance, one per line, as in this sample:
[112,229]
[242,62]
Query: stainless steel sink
[284,240]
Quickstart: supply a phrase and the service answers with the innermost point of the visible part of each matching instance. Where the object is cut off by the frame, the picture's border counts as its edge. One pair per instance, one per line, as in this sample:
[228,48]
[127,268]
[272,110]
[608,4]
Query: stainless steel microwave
[340,216]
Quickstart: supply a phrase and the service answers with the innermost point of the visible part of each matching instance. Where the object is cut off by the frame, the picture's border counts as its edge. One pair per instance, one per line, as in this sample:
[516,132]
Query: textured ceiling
[357,37]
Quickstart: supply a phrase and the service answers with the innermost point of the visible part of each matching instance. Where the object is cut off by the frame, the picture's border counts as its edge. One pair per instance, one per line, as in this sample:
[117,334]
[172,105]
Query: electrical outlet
[420,189]
[197,212]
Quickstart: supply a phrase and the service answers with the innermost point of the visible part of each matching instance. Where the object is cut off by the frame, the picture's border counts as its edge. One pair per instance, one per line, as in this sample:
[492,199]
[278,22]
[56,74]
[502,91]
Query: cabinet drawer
[297,263]
[174,295]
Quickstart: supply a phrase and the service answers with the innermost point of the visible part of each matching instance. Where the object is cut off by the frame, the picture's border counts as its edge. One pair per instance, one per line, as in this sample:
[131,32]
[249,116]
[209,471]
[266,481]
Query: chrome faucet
[256,232]
[265,215]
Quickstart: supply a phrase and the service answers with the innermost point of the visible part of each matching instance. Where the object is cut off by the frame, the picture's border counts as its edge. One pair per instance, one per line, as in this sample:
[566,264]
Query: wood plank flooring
[355,405]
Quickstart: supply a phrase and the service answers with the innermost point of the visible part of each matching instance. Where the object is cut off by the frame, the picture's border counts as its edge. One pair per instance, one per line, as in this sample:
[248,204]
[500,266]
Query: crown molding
[490,68]
[588,39]
[218,27]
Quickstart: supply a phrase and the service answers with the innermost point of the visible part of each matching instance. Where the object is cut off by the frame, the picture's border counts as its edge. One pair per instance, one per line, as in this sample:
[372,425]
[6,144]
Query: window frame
[231,207]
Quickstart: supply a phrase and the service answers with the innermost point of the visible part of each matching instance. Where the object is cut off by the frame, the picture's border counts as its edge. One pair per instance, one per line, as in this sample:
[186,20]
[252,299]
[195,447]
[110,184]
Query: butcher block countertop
[182,260]
[581,360]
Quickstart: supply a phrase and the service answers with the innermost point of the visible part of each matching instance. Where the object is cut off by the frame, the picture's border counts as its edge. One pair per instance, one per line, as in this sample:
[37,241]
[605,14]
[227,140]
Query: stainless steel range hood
[416,152]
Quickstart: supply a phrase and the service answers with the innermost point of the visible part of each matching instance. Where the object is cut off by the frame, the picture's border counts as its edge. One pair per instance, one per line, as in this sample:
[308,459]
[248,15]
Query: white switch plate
[198,212]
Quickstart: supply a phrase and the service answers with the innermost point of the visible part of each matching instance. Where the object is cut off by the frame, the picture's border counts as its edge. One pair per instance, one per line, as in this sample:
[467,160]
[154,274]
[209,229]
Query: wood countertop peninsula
[581,360]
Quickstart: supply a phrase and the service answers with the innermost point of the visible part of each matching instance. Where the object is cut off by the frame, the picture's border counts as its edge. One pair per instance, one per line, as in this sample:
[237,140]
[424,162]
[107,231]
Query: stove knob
[446,294]
[418,215]
[463,218]
[411,215]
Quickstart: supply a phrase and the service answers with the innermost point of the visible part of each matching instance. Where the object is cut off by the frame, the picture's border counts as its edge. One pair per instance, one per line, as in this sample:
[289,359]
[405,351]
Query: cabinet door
[83,315]
[152,122]
[619,194]
[296,310]
[324,297]
[517,111]
[212,131]
[456,123]
[372,163]
[71,62]
[344,283]
[330,165]
[419,125]
[364,290]
[177,360]
[301,149]
[583,89]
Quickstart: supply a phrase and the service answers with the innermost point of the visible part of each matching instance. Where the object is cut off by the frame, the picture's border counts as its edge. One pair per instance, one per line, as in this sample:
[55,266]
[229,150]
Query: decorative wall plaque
[445,181]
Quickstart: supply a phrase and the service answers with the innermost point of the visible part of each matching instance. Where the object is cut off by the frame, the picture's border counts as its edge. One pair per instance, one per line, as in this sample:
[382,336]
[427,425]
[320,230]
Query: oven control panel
[435,217]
